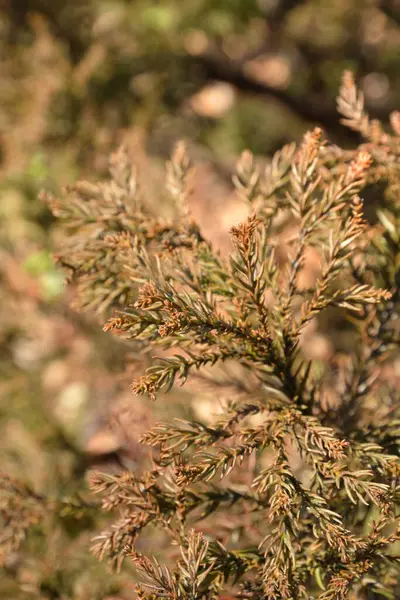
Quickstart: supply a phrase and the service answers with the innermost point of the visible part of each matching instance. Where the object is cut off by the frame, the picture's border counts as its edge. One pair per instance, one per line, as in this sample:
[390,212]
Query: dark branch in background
[307,108]
[391,8]
[313,108]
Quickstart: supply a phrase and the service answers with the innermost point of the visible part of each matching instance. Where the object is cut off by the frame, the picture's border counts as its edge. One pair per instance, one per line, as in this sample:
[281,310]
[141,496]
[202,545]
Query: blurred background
[78,77]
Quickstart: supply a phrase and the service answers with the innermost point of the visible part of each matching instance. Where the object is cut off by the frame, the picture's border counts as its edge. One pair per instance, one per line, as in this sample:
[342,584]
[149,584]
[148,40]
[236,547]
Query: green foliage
[293,490]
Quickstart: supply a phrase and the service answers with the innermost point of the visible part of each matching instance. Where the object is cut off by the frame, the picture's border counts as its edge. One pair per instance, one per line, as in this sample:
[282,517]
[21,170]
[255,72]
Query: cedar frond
[282,485]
